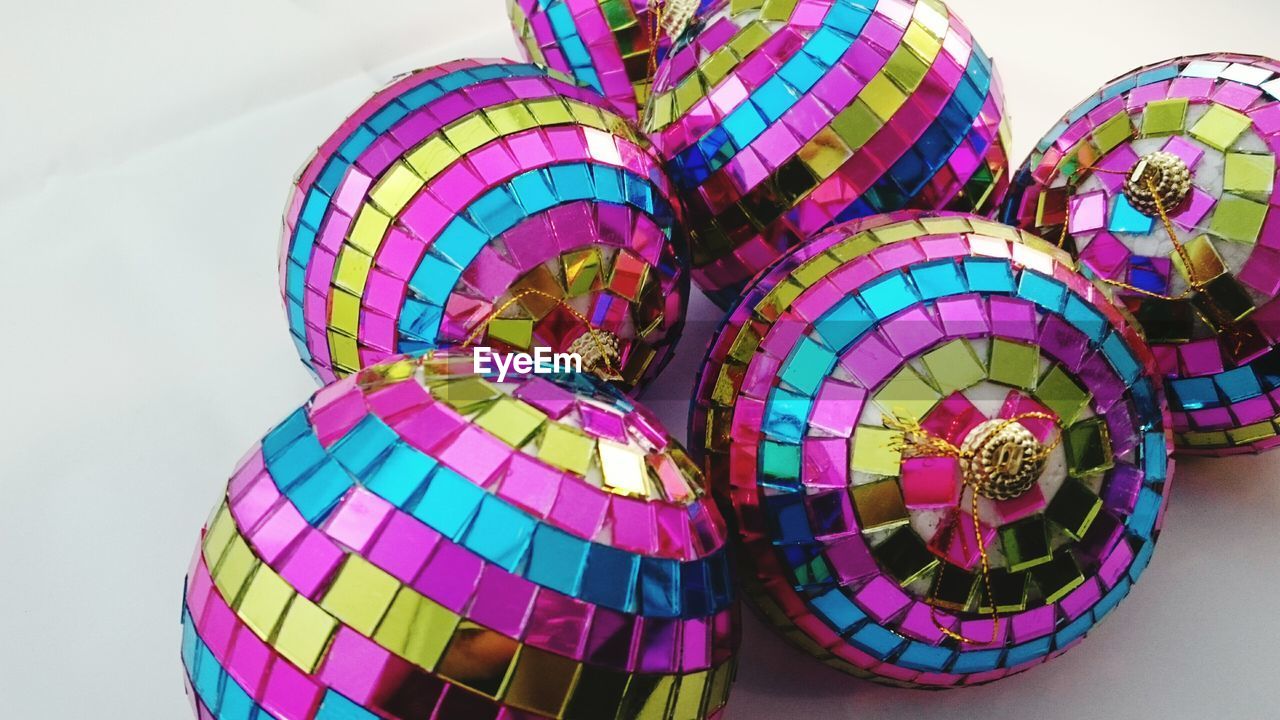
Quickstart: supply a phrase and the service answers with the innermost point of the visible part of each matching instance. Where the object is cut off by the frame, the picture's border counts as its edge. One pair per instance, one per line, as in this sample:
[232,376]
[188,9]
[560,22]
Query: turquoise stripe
[219,692]
[315,480]
[497,211]
[1225,388]
[565,30]
[316,204]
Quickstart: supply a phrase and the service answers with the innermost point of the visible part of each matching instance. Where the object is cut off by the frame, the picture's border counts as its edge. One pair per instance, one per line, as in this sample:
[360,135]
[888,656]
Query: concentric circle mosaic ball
[419,541]
[827,406]
[777,119]
[1204,131]
[608,45]
[460,188]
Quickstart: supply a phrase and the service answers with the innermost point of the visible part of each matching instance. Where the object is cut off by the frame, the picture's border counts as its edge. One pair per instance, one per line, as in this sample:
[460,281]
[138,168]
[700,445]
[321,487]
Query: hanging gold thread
[918,442]
[654,28]
[1194,284]
[1192,281]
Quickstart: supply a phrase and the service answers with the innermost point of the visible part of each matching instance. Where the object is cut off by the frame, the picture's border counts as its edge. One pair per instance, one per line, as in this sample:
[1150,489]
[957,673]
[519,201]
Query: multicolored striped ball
[1206,296]
[474,188]
[860,543]
[422,541]
[778,119]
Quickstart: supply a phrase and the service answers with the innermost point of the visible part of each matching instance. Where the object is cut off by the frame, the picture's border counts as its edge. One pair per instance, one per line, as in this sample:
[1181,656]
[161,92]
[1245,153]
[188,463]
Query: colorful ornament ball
[610,46]
[1209,126]
[861,548]
[474,188]
[778,119]
[420,541]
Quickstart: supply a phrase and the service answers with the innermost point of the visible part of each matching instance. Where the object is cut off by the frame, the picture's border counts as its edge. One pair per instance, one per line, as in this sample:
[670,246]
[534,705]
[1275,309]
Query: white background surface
[145,153]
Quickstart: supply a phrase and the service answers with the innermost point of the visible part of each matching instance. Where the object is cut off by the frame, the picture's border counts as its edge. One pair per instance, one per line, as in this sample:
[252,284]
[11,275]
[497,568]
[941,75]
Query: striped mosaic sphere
[1207,296]
[888,556]
[778,119]
[422,541]
[475,187]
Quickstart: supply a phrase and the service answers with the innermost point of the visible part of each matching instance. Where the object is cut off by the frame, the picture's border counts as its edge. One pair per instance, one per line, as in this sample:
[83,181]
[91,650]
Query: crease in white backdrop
[147,151]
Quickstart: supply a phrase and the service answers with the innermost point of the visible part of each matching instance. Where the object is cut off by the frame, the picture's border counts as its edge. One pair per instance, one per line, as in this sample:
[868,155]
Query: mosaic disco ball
[471,188]
[946,451]
[419,539]
[777,120]
[610,46]
[1204,132]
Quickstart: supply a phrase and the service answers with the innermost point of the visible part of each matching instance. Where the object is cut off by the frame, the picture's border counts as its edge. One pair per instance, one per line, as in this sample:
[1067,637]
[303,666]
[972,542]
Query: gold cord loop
[999,459]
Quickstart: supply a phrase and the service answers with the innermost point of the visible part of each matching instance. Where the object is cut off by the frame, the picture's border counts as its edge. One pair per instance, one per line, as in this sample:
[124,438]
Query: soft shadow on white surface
[148,148]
